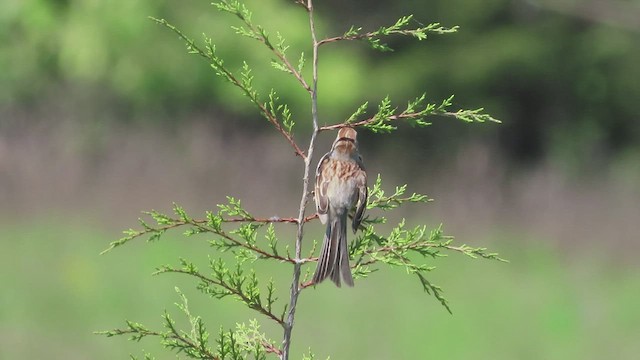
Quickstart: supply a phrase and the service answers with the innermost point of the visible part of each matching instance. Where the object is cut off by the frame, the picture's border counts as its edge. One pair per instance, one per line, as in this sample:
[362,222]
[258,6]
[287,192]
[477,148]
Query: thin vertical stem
[306,193]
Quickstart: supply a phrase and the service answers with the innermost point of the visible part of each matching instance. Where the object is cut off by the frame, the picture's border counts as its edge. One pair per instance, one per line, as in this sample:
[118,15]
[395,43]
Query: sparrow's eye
[347,139]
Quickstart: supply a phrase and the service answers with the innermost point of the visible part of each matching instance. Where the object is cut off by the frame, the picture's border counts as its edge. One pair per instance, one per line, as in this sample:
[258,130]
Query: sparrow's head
[346,141]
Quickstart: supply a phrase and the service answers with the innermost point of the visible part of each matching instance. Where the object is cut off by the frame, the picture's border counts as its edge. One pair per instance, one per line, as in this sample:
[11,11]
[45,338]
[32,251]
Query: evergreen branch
[399,28]
[218,65]
[254,341]
[156,232]
[137,331]
[377,198]
[232,284]
[213,224]
[425,248]
[231,345]
[258,33]
[396,248]
[418,240]
[421,246]
[474,253]
[247,245]
[470,116]
[193,345]
[198,334]
[414,114]
[436,290]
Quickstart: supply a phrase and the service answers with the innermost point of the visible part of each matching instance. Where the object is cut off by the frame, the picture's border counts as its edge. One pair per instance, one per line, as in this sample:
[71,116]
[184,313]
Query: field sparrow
[341,184]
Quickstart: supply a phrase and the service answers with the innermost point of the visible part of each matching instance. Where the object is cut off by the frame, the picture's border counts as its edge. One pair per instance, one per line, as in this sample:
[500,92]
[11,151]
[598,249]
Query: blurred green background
[103,114]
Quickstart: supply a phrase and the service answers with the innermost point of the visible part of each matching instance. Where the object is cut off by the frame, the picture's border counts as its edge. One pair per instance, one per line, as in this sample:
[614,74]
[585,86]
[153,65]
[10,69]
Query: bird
[341,185]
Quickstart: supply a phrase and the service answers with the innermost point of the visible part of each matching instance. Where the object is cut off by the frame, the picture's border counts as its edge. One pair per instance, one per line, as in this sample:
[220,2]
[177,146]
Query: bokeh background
[103,115]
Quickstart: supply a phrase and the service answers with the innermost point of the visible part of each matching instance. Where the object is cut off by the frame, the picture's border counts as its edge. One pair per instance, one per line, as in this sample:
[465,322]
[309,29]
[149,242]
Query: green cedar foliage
[233,229]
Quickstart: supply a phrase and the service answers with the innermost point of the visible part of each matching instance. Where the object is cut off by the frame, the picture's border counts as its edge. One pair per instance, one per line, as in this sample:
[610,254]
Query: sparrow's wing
[363,192]
[320,193]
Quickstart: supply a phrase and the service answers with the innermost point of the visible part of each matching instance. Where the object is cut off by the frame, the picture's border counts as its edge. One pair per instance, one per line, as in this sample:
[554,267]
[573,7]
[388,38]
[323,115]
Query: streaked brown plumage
[341,184]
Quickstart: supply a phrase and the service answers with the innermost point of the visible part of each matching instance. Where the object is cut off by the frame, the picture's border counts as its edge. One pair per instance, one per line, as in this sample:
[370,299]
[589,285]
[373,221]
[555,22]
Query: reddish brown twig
[343,38]
[271,349]
[305,285]
[273,219]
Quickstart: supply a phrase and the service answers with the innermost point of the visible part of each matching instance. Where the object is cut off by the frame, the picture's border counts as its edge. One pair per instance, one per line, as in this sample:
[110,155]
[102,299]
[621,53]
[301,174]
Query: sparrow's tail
[334,257]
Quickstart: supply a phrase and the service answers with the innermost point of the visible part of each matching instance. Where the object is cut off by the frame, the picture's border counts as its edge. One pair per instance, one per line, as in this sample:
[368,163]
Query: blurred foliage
[564,85]
[113,45]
